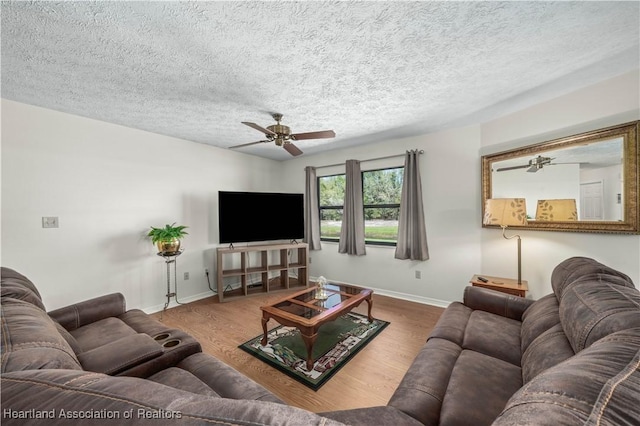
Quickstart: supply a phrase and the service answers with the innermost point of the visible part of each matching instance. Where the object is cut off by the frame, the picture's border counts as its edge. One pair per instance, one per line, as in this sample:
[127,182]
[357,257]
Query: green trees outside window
[381,191]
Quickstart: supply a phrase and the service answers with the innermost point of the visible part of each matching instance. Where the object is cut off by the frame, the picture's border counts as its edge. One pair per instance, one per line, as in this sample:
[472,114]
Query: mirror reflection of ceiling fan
[282,136]
[534,164]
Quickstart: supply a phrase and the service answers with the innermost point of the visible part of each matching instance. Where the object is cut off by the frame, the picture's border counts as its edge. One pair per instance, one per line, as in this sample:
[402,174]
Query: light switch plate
[50,222]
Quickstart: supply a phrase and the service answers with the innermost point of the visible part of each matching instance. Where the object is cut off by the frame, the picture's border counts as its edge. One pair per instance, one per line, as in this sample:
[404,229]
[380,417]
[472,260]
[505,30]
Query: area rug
[338,341]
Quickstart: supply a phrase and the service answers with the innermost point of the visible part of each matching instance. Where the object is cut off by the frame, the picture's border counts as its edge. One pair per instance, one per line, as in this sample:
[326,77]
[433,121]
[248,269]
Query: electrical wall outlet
[206,271]
[186,276]
[50,222]
[418,274]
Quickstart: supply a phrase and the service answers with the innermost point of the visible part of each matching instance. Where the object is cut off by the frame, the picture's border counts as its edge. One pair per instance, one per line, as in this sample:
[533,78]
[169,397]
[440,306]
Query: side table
[170,259]
[505,285]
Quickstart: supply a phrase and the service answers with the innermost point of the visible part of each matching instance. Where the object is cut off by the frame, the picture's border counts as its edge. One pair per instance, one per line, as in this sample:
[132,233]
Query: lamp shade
[557,210]
[505,212]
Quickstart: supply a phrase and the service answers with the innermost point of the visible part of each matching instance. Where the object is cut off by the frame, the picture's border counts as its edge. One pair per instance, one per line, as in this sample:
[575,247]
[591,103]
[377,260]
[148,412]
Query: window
[381,191]
[331,193]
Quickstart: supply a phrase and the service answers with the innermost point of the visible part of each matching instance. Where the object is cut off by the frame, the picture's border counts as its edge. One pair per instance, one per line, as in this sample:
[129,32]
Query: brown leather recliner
[70,365]
[569,358]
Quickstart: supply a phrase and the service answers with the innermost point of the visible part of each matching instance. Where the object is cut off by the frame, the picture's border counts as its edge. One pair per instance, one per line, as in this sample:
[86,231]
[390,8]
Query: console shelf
[258,264]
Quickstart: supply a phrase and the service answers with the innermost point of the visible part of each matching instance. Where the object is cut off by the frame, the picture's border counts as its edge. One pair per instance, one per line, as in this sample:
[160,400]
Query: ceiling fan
[533,166]
[282,136]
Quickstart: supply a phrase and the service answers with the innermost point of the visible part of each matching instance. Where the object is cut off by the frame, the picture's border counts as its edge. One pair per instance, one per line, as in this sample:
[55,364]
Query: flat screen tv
[260,216]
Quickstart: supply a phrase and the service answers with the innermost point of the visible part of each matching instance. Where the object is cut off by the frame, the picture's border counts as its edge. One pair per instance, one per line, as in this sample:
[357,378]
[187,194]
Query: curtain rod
[370,159]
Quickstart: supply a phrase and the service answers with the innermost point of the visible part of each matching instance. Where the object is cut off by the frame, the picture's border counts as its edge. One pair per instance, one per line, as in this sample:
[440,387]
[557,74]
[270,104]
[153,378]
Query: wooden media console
[261,269]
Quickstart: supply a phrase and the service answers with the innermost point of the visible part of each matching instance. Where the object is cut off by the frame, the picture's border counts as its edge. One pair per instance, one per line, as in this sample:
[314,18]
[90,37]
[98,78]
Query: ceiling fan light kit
[282,136]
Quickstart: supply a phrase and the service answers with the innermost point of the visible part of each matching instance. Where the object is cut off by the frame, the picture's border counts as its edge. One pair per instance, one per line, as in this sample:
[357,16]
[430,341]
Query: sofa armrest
[86,312]
[121,354]
[495,302]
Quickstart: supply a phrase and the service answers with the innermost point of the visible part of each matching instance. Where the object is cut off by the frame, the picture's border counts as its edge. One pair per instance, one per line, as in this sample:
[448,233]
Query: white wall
[614,101]
[108,184]
[548,183]
[450,171]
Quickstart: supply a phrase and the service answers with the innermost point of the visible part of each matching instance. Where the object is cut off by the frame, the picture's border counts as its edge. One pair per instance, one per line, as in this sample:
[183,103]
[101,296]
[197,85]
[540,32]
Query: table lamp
[507,212]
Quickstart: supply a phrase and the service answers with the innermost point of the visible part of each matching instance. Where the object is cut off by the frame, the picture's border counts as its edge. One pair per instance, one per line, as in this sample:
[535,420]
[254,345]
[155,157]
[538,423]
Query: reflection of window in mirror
[589,173]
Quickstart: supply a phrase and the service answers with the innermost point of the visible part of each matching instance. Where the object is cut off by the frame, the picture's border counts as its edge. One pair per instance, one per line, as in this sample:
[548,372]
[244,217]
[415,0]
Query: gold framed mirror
[581,183]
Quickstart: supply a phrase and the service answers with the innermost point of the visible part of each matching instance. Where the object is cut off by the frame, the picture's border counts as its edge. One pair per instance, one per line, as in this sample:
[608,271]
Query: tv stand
[253,265]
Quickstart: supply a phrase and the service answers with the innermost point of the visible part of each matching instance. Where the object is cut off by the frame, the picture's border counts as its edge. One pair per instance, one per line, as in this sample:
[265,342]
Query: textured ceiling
[368,70]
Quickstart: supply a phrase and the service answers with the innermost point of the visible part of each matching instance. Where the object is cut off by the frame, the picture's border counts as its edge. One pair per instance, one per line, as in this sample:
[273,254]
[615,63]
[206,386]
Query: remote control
[483,279]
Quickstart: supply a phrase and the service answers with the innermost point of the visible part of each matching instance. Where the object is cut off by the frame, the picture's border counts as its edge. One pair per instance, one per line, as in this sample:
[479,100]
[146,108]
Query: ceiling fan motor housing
[283,133]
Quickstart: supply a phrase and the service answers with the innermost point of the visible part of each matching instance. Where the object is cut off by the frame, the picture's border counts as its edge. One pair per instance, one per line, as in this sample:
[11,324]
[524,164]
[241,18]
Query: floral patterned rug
[338,341]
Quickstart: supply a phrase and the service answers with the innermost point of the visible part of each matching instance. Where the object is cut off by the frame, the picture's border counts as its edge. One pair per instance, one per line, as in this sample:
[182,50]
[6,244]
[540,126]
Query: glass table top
[308,305]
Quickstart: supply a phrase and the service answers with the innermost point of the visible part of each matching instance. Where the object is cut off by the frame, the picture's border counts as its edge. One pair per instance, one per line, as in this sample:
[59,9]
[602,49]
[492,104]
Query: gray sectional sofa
[569,358]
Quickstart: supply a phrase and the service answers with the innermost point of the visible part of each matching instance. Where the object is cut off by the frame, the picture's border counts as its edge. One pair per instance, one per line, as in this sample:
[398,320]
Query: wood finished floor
[369,379]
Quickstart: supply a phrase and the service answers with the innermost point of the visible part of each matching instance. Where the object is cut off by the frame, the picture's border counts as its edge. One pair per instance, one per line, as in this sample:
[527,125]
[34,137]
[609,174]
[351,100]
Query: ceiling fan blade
[248,144]
[560,164]
[504,169]
[314,135]
[259,128]
[292,149]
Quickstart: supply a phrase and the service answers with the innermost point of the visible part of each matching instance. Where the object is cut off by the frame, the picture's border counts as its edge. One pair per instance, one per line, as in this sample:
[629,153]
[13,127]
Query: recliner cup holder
[161,336]
[171,343]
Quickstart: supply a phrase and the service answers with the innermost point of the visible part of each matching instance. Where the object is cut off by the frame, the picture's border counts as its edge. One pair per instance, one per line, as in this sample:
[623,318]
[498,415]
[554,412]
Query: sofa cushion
[182,379]
[17,286]
[598,386]
[423,387]
[143,323]
[481,331]
[101,332]
[594,308]
[478,389]
[570,269]
[30,339]
[493,335]
[225,380]
[540,317]
[547,350]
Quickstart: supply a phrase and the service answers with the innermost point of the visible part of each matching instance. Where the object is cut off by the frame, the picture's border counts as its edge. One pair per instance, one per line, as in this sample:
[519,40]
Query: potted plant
[168,238]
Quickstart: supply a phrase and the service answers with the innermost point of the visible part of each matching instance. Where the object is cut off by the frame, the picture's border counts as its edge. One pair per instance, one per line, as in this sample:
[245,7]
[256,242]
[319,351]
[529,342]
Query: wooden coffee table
[307,313]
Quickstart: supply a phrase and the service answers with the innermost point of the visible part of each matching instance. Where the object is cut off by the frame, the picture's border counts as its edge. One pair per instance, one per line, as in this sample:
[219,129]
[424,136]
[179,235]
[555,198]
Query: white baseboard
[413,298]
[403,296]
[382,292]
[173,304]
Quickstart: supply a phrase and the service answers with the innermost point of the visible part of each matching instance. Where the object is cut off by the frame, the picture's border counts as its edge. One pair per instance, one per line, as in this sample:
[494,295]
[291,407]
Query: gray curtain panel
[311,211]
[412,232]
[352,231]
